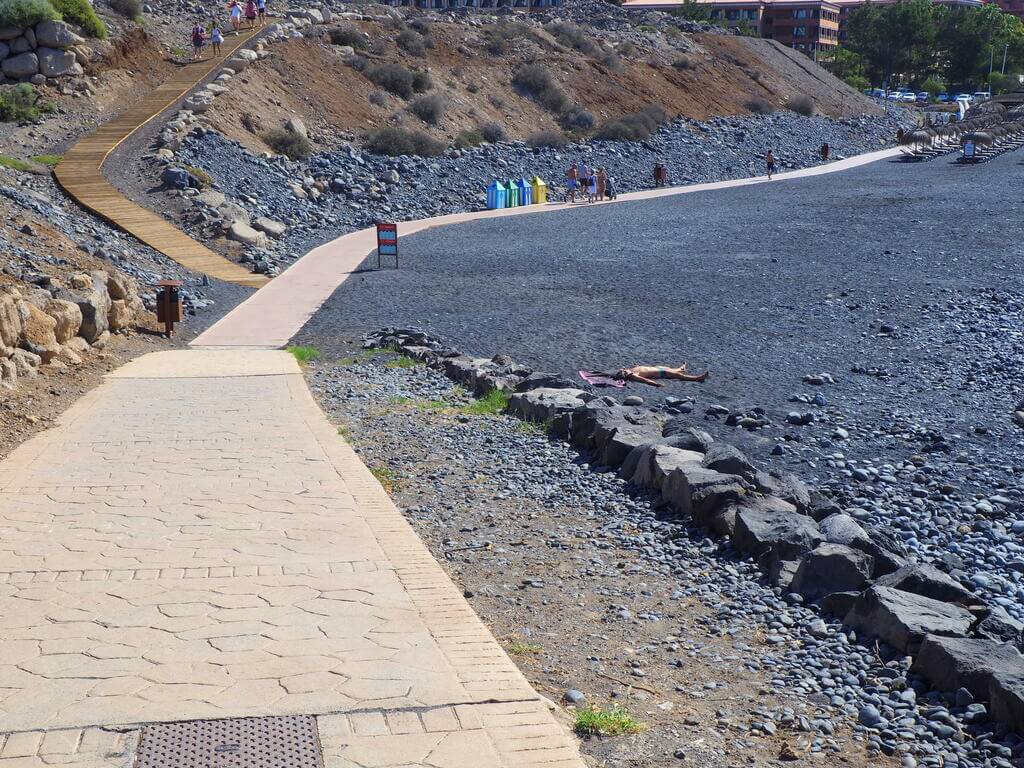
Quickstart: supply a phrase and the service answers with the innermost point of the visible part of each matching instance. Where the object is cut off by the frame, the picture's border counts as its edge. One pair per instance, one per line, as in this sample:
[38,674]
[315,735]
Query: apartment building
[811,26]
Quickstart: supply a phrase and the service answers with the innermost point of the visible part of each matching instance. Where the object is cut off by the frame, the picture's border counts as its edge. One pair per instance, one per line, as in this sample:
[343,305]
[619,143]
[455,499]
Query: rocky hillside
[463,74]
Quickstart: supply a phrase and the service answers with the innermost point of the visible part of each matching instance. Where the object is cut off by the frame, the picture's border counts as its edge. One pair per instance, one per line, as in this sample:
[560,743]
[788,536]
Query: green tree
[969,38]
[691,10]
[895,39]
[847,65]
[933,86]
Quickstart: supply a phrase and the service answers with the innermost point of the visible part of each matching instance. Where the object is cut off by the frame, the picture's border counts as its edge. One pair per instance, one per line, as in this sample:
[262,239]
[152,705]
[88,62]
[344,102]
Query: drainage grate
[250,742]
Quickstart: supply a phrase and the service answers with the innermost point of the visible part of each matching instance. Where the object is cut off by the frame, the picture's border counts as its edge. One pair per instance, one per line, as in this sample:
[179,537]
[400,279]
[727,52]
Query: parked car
[909,96]
[923,97]
[982,96]
[943,97]
[964,97]
[895,95]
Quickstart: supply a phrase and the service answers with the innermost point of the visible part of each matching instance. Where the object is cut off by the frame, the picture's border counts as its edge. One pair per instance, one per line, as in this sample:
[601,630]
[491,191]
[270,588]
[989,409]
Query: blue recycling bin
[525,192]
[511,194]
[496,195]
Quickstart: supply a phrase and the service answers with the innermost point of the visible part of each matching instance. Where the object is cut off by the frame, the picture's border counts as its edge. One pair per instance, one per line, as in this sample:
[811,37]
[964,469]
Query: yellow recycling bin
[540,190]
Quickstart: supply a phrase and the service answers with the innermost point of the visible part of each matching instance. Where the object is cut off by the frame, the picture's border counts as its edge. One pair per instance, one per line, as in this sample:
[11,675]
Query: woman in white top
[236,15]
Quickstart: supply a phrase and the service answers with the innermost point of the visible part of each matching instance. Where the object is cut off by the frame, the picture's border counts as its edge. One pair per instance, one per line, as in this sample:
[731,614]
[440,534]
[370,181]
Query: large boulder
[997,624]
[94,302]
[121,286]
[68,318]
[54,62]
[842,529]
[242,233]
[624,439]
[543,380]
[648,466]
[10,320]
[594,428]
[831,568]
[56,34]
[274,229]
[26,363]
[1006,695]
[553,406]
[695,491]
[786,486]
[949,663]
[930,582]
[233,212]
[119,316]
[8,374]
[37,331]
[722,521]
[902,619]
[783,533]
[729,460]
[21,67]
[680,433]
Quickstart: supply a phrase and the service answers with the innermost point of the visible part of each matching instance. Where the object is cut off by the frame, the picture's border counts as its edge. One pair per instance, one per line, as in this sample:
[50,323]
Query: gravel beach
[863,328]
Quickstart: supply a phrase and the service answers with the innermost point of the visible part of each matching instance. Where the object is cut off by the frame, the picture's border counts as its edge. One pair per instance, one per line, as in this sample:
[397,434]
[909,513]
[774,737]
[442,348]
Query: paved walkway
[194,540]
[80,174]
[273,315]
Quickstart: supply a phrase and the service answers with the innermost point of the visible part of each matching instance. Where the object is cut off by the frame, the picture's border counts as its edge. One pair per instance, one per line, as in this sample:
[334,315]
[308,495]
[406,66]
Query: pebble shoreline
[818,659]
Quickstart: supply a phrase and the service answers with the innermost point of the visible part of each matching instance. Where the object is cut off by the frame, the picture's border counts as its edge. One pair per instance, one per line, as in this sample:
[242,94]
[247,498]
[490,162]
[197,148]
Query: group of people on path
[254,12]
[593,184]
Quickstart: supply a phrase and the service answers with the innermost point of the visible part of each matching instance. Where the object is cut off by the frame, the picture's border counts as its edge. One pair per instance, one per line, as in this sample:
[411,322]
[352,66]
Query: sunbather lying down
[645,374]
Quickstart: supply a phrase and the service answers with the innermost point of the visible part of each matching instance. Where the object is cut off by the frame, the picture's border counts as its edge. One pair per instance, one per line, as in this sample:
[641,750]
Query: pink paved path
[276,312]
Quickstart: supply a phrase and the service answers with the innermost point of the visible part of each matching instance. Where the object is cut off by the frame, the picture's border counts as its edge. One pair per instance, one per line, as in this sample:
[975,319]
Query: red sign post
[387,242]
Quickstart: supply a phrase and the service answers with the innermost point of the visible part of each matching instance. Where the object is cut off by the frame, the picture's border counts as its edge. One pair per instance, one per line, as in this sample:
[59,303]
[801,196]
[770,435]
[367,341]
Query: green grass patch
[364,355]
[21,103]
[305,354]
[525,649]
[401,362]
[14,163]
[432,405]
[385,477]
[344,431]
[594,721]
[533,427]
[26,13]
[49,160]
[399,400]
[80,13]
[491,404]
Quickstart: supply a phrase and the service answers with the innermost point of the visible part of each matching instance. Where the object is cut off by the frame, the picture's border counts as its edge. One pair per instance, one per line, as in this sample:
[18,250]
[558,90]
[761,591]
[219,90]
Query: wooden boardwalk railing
[81,176]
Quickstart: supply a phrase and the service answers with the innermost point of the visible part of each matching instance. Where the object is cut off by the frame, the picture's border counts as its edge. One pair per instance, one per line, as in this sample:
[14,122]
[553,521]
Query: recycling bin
[540,190]
[496,195]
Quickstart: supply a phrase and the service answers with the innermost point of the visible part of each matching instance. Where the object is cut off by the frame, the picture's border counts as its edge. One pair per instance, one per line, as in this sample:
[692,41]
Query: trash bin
[525,192]
[511,194]
[496,197]
[168,305]
[540,190]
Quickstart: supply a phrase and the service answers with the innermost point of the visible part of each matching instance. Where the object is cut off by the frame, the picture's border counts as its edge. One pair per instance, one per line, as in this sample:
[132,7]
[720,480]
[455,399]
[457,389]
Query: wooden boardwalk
[80,174]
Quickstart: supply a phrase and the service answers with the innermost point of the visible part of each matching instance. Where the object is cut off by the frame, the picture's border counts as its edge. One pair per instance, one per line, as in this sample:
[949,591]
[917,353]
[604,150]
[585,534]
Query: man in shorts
[261,8]
[769,161]
[572,178]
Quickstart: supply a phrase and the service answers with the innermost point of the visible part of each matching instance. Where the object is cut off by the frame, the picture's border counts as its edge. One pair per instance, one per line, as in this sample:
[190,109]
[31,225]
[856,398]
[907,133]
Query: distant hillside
[596,76]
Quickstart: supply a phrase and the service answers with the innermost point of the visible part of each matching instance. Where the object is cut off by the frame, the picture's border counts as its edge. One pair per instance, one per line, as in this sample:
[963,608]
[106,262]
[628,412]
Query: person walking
[602,183]
[572,178]
[216,38]
[769,161]
[610,191]
[250,13]
[826,150]
[657,174]
[261,9]
[198,39]
[592,187]
[235,11]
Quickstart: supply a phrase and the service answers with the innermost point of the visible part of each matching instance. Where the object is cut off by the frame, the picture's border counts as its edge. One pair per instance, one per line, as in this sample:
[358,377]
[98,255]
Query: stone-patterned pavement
[194,540]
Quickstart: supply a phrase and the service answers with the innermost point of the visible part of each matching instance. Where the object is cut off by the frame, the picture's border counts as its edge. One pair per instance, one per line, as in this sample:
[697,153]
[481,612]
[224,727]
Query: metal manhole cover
[250,742]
